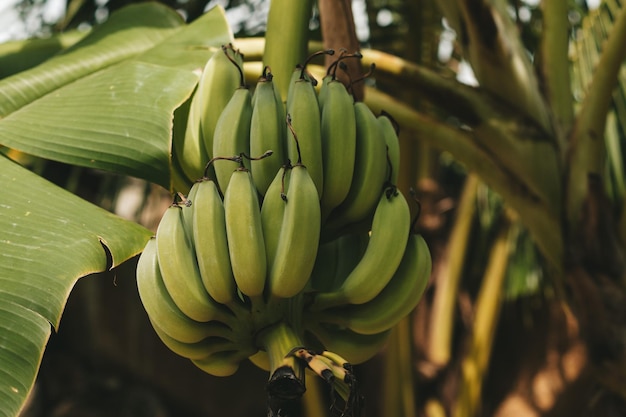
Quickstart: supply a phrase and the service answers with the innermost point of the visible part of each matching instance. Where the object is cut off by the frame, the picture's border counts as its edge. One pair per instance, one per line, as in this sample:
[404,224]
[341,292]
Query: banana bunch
[293,237]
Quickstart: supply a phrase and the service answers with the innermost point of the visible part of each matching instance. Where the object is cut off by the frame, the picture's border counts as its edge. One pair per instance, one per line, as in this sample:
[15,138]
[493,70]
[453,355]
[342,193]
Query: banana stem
[449,276]
[286,381]
[399,388]
[286,39]
[587,145]
[475,364]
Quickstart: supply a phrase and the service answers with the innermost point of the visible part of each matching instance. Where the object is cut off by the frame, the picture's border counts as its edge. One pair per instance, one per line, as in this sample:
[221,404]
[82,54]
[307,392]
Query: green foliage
[107,102]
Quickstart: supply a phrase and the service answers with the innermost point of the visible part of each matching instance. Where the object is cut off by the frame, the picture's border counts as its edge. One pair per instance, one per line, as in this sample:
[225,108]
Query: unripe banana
[195,350]
[209,235]
[188,208]
[389,233]
[267,132]
[159,305]
[353,347]
[261,360]
[299,236]
[298,72]
[395,301]
[178,179]
[390,133]
[245,234]
[216,86]
[350,248]
[273,210]
[304,113]
[179,269]
[224,363]
[338,128]
[324,270]
[370,168]
[232,134]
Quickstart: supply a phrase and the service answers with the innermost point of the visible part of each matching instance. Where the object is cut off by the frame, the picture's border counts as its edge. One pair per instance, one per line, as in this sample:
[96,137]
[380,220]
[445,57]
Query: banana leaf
[107,102]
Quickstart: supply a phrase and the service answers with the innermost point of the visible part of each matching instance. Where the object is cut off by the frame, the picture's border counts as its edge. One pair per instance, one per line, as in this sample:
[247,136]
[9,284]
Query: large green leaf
[48,239]
[108,103]
[111,102]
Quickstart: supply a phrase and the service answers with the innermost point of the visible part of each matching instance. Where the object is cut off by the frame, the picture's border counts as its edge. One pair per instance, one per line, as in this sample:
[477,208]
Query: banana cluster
[293,222]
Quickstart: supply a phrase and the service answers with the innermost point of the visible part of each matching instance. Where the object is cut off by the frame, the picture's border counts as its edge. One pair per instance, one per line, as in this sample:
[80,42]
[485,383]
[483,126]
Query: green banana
[267,131]
[179,269]
[304,116]
[217,83]
[223,363]
[246,245]
[338,128]
[299,236]
[388,127]
[299,72]
[188,208]
[389,234]
[324,270]
[209,235]
[395,301]
[159,305]
[370,168]
[196,350]
[272,212]
[261,360]
[232,131]
[350,249]
[353,347]
[178,179]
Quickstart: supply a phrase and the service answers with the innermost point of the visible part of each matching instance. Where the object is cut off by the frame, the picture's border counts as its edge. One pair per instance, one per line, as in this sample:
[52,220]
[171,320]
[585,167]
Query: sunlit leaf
[48,239]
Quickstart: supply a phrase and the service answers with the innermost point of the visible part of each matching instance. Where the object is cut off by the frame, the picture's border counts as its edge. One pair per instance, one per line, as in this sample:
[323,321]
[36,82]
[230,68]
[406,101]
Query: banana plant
[108,101]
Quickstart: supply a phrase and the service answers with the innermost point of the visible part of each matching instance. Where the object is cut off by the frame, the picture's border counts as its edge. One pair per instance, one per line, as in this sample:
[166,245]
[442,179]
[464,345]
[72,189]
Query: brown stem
[338,31]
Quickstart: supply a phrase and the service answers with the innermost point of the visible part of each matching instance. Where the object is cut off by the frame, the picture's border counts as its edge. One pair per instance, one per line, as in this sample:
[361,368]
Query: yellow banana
[209,235]
[370,167]
[179,269]
[304,116]
[267,131]
[232,131]
[217,83]
[338,128]
[299,236]
[245,234]
[272,212]
[353,347]
[395,301]
[159,305]
[195,350]
[389,234]
[389,131]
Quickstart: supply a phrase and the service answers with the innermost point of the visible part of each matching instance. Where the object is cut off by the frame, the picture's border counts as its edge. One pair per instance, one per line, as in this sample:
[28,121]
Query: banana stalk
[474,365]
[399,390]
[283,53]
[286,381]
[440,337]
